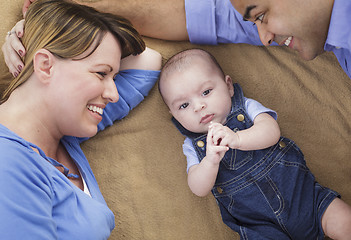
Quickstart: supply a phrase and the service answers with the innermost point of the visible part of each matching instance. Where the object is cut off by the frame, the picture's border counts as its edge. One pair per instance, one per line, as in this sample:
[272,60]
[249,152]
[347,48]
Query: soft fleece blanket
[139,163]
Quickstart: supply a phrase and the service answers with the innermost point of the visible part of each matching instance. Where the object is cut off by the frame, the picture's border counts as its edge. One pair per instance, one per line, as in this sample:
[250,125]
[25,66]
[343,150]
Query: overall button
[219,189]
[282,144]
[200,144]
[240,117]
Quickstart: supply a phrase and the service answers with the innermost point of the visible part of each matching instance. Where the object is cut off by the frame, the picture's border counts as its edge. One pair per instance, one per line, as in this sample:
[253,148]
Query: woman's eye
[102,74]
[206,92]
[184,105]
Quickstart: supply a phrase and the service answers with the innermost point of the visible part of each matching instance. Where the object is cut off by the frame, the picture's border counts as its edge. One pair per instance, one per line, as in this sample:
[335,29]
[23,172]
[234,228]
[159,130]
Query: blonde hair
[67,29]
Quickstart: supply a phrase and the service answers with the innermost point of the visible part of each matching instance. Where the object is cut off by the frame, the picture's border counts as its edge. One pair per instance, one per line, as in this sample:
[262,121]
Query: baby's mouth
[207,118]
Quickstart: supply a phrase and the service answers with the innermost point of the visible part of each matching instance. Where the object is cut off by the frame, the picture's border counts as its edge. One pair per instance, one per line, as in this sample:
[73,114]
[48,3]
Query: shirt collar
[339,28]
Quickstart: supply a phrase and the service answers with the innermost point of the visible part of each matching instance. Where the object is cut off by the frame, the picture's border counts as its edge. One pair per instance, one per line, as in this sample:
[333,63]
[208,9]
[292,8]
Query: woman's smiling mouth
[95,109]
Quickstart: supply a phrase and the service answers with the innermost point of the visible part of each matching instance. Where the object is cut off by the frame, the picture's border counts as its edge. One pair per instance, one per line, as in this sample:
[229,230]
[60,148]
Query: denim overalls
[269,193]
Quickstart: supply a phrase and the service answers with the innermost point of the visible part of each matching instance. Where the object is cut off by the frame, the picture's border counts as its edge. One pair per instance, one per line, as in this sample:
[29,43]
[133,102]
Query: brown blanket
[139,163]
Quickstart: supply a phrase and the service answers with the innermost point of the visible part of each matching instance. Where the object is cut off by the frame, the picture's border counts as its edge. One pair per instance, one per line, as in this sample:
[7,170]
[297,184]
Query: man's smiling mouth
[288,41]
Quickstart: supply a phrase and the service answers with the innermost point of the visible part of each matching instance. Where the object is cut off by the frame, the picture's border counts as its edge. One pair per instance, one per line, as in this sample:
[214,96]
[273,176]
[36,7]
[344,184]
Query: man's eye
[206,92]
[184,105]
[260,18]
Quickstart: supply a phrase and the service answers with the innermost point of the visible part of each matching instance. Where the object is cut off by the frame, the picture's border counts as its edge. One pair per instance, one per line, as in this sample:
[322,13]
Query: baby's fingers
[221,149]
[209,138]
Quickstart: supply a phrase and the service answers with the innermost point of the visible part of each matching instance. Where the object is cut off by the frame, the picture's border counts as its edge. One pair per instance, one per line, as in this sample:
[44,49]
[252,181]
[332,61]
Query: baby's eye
[206,92]
[184,105]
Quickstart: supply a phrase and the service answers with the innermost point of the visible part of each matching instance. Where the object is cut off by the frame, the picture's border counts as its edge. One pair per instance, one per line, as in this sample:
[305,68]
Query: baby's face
[198,95]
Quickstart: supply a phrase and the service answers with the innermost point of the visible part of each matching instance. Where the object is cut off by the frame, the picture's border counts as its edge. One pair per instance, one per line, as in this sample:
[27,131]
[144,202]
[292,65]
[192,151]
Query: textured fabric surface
[139,163]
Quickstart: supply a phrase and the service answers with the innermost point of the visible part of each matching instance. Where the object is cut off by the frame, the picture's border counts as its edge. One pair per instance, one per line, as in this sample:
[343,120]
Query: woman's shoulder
[19,161]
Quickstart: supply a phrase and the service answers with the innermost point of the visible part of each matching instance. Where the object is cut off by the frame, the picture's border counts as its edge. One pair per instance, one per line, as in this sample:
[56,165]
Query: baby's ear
[229,82]
[42,63]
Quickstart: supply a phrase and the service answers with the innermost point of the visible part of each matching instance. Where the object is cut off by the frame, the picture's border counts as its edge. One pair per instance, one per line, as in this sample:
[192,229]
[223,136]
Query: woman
[65,89]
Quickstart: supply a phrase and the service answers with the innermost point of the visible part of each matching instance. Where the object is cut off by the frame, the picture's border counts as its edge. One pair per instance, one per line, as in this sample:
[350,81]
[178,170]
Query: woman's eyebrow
[103,65]
[247,14]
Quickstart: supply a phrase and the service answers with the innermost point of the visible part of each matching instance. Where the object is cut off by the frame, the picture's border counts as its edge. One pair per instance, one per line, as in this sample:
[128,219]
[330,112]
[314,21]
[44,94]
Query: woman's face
[81,89]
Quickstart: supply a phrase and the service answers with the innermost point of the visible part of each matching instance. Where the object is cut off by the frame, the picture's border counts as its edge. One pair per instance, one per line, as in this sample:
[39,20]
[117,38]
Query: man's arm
[162,19]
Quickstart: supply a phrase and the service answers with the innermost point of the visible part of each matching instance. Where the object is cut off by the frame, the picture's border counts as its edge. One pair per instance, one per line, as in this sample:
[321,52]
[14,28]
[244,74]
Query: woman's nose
[111,92]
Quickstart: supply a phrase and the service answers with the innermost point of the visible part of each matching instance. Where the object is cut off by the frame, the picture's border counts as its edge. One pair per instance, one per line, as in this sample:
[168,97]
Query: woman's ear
[43,61]
[229,82]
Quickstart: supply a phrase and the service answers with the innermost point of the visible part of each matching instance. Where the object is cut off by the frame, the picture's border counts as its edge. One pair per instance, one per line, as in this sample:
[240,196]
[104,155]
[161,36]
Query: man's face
[301,25]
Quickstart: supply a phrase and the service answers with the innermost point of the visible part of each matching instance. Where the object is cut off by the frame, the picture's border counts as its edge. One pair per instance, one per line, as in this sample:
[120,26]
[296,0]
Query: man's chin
[309,55]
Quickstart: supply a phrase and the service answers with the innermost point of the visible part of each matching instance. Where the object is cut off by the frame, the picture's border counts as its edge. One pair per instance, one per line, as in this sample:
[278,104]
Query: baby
[234,149]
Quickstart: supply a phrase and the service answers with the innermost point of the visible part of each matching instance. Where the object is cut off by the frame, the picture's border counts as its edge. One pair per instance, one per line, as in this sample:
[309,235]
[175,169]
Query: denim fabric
[269,193]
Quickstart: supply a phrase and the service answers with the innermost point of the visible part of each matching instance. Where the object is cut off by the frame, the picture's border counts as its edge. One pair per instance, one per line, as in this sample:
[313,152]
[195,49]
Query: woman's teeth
[95,109]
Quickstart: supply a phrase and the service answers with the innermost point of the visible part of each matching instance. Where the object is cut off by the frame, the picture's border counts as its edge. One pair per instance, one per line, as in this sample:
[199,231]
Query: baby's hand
[214,151]
[224,136]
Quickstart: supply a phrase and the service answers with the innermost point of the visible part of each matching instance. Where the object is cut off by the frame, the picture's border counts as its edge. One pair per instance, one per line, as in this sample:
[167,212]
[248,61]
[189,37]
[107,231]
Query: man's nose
[266,36]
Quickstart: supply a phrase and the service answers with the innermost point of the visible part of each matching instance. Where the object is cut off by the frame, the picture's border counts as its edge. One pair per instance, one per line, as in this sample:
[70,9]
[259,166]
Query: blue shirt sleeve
[214,21]
[26,197]
[254,108]
[133,85]
[189,152]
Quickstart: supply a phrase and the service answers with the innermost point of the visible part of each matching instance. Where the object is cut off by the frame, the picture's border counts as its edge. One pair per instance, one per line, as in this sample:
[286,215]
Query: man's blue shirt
[339,35]
[216,21]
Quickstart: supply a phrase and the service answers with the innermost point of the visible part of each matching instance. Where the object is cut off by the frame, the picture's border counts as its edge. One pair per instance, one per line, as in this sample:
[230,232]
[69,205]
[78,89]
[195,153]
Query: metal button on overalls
[200,144]
[240,117]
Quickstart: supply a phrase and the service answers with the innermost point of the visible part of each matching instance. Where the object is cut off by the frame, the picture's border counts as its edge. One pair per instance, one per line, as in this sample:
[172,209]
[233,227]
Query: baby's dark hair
[182,60]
